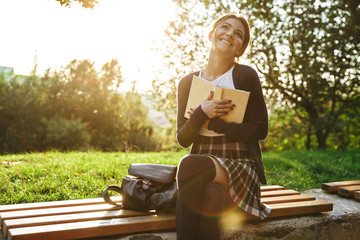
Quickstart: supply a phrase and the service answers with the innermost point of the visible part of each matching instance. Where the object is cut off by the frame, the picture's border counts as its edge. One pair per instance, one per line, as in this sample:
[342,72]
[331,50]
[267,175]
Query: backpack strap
[107,198]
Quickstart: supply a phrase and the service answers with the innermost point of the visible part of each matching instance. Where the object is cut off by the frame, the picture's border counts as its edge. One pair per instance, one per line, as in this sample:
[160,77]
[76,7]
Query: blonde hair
[244,21]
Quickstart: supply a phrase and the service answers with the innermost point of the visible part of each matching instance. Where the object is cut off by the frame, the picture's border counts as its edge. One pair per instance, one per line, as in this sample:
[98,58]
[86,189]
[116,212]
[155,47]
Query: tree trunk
[308,137]
[321,138]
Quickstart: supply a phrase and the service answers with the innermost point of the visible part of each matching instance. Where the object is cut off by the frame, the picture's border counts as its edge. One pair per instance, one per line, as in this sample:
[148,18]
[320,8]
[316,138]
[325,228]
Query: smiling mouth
[226,42]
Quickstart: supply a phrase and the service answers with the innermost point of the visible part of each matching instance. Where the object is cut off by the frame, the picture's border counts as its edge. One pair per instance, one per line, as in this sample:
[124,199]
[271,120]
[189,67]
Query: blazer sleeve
[187,130]
[255,124]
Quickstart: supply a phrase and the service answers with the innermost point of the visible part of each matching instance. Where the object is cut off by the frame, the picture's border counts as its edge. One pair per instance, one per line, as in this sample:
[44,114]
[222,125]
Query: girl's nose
[230,32]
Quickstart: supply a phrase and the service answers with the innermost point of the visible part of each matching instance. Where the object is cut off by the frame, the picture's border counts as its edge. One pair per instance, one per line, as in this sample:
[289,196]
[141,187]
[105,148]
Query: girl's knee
[194,164]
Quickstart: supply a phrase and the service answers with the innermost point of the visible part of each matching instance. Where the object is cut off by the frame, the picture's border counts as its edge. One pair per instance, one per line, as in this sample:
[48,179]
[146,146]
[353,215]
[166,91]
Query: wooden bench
[76,219]
[350,189]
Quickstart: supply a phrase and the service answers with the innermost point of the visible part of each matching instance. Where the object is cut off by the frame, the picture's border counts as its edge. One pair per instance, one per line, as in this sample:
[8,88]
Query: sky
[51,35]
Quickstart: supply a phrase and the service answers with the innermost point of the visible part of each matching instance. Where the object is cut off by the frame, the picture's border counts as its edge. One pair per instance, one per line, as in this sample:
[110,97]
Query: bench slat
[349,190]
[296,208]
[94,228]
[281,210]
[56,211]
[271,188]
[334,186]
[278,193]
[289,198]
[68,218]
[54,204]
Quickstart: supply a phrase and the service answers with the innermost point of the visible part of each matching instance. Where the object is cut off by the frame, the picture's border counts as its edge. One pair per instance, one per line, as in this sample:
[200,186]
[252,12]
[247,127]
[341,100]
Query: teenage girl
[227,166]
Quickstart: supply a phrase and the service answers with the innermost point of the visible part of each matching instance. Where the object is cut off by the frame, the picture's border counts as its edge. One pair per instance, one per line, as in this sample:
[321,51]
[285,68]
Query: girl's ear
[210,36]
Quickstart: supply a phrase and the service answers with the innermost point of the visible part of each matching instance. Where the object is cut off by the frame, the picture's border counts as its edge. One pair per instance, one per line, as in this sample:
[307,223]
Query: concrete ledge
[343,223]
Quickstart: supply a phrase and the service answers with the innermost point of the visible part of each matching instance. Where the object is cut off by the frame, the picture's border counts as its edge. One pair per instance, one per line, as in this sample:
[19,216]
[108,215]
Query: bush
[76,108]
[65,134]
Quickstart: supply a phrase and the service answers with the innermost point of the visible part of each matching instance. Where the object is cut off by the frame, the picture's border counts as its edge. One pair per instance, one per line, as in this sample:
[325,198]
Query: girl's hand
[216,108]
[190,112]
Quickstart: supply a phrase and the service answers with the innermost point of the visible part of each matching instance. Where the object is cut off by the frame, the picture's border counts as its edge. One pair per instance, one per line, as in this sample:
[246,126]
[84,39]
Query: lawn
[60,176]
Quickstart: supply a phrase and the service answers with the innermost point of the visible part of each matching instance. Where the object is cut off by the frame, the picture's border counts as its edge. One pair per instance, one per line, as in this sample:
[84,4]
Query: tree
[306,54]
[183,50]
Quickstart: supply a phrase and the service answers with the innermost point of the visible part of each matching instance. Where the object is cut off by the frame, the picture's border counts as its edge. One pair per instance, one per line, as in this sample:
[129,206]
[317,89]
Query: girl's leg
[193,173]
[221,177]
[213,204]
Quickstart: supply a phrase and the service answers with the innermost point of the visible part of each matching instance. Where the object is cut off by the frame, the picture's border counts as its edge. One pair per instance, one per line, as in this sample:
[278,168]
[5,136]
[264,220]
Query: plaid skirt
[244,183]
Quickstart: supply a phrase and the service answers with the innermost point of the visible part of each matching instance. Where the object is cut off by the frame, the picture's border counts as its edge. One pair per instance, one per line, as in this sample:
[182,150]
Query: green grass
[303,170]
[60,176]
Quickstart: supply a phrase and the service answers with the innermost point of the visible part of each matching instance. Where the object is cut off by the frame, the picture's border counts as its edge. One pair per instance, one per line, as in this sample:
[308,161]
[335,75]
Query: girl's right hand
[216,108]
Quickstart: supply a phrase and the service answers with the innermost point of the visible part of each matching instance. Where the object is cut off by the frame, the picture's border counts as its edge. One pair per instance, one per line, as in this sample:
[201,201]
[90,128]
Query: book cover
[200,90]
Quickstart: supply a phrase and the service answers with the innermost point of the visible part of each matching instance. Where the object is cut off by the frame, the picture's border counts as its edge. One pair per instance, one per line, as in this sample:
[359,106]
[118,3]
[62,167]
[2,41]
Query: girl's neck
[216,67]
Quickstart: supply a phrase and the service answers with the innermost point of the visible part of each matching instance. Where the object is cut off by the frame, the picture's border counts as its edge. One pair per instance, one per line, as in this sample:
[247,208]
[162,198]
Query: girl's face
[228,38]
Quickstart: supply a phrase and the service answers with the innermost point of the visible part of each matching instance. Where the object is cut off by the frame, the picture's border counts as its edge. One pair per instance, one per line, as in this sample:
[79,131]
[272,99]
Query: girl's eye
[239,34]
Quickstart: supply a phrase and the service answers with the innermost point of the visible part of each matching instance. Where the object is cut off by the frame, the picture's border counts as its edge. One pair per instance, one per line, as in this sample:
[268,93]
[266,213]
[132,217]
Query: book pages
[240,99]
[199,91]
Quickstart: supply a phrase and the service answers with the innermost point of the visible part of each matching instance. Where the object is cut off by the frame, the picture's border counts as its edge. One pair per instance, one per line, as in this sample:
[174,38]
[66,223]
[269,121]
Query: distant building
[8,73]
[158,117]
[7,70]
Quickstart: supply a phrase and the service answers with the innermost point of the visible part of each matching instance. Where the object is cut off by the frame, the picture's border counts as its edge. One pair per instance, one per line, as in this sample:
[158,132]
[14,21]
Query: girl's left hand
[190,112]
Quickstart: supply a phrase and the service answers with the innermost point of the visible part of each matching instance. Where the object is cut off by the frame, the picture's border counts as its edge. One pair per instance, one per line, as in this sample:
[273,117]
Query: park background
[70,128]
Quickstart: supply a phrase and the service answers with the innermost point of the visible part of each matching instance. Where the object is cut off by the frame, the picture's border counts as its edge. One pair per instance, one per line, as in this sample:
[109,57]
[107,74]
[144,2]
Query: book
[200,90]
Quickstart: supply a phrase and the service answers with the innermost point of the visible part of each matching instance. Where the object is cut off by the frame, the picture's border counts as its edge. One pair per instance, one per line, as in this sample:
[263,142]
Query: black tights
[200,200]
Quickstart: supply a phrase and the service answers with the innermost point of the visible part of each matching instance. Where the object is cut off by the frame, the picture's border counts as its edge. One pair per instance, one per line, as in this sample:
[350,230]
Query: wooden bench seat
[348,189]
[76,219]
[334,186]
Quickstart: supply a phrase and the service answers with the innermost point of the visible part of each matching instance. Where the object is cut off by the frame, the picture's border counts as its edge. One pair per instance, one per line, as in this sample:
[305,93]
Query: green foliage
[286,132]
[65,134]
[75,108]
[54,176]
[140,134]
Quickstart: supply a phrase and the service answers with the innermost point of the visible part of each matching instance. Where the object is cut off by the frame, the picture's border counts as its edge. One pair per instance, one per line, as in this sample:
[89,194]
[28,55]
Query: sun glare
[124,30]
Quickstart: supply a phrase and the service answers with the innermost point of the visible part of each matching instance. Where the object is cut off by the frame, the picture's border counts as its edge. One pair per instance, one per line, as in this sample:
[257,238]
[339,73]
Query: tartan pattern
[244,183]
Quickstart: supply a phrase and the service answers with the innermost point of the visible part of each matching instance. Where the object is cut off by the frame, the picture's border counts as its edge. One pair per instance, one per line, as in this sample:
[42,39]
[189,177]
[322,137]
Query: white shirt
[225,80]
